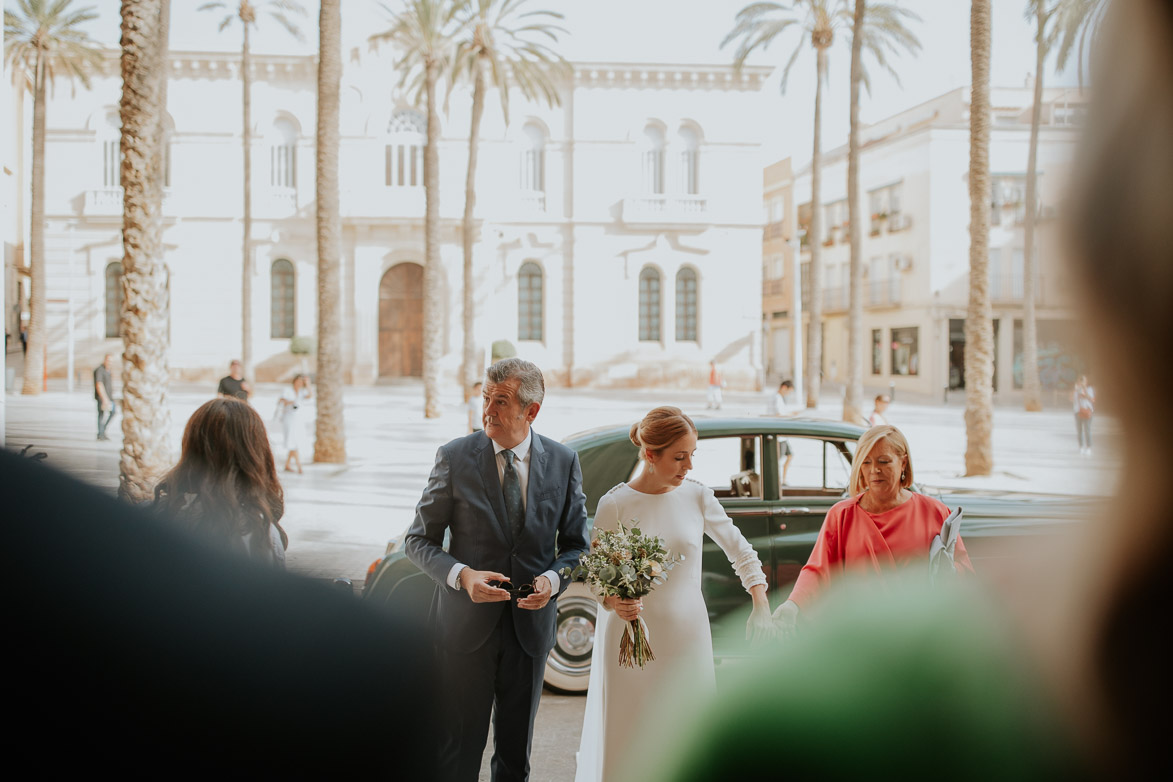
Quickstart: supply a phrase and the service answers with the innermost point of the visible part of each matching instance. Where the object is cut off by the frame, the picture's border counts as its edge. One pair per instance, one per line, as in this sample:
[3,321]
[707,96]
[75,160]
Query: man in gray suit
[513,504]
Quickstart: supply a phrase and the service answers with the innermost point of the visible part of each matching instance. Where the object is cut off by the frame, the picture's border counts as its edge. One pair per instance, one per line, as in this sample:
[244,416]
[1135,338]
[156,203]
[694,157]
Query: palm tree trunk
[853,399]
[979,330]
[34,359]
[469,371]
[814,342]
[146,418]
[1031,388]
[246,280]
[433,288]
[330,435]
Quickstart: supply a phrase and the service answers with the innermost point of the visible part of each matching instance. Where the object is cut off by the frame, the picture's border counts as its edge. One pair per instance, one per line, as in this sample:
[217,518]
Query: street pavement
[340,517]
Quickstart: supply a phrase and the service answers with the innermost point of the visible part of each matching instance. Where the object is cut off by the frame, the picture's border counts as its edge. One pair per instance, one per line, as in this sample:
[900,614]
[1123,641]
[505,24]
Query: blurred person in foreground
[1059,668]
[225,485]
[137,649]
[884,527]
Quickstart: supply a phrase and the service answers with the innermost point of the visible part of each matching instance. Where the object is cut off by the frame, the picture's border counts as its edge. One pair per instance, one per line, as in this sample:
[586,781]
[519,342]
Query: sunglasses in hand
[516,591]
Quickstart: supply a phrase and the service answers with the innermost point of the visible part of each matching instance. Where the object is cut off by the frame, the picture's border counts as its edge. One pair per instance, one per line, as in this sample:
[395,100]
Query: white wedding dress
[676,617]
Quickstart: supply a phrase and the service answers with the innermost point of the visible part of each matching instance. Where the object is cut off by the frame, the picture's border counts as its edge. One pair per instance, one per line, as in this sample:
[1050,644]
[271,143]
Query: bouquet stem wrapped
[634,647]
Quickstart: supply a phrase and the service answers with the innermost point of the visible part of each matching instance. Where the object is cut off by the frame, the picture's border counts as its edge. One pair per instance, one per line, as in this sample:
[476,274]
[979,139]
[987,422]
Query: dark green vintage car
[777,501]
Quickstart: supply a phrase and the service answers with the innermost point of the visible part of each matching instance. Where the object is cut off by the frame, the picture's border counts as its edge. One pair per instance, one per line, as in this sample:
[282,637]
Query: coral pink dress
[855,541]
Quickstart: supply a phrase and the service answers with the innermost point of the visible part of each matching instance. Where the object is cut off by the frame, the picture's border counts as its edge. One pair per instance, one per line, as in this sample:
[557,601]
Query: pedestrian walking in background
[1083,404]
[225,485]
[288,406]
[104,394]
[475,409]
[716,382]
[234,385]
[877,418]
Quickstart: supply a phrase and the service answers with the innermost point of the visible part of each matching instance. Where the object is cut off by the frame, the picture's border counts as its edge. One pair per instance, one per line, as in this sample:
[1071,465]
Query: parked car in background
[739,460]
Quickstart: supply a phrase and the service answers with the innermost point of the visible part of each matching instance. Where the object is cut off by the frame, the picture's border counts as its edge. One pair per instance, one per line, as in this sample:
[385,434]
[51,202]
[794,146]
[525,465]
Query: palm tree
[246,12]
[505,40]
[1044,39]
[1076,23]
[877,29]
[146,420]
[979,327]
[757,25]
[424,35]
[330,439]
[42,39]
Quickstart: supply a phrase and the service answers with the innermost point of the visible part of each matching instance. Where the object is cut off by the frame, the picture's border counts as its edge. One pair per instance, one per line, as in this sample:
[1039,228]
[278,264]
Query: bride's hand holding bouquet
[622,566]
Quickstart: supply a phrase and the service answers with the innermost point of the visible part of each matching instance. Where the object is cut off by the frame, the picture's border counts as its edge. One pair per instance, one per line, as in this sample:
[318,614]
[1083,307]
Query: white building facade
[915,202]
[618,242]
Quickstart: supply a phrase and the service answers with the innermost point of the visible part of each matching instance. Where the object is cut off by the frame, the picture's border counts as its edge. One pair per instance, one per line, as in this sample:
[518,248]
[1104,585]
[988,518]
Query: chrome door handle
[790,511]
[736,514]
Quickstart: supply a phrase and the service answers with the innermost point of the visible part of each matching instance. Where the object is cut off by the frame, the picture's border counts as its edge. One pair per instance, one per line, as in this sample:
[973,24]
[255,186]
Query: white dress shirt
[521,453]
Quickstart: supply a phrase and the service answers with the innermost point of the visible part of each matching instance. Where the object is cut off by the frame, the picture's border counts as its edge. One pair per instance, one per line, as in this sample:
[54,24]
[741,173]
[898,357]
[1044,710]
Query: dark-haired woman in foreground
[225,487]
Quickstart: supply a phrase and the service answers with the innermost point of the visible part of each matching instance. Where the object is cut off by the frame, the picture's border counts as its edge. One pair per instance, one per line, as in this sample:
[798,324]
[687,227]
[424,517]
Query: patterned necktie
[511,488]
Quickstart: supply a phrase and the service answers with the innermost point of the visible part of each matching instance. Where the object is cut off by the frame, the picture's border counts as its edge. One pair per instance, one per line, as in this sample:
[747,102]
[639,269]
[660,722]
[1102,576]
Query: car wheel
[568,668]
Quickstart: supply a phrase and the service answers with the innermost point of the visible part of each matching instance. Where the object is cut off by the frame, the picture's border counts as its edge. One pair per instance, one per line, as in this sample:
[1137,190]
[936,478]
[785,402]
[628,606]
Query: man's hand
[476,583]
[541,595]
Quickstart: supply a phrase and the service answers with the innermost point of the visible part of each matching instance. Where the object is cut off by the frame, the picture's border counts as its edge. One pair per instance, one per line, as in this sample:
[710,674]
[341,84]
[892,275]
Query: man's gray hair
[533,386]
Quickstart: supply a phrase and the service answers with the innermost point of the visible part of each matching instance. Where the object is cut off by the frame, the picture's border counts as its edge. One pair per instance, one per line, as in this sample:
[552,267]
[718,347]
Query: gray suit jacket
[463,497]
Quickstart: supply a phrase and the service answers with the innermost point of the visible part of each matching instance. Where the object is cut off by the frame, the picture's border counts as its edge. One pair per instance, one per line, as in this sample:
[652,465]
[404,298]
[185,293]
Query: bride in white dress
[682,512]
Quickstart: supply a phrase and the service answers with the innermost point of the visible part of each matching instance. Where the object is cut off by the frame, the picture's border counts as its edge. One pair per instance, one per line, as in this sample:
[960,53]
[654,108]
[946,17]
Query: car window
[730,466]
[810,466]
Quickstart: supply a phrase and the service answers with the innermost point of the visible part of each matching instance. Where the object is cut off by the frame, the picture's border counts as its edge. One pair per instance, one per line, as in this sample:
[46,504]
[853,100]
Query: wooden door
[401,321]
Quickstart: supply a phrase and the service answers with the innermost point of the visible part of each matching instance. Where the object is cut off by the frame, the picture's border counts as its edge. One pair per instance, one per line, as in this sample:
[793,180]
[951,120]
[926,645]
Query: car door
[812,475]
[731,465]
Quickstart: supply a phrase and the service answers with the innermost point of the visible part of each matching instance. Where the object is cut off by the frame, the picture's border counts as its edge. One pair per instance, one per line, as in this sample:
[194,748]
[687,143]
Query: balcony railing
[774,230]
[774,287]
[107,202]
[835,299]
[532,201]
[884,293]
[664,208]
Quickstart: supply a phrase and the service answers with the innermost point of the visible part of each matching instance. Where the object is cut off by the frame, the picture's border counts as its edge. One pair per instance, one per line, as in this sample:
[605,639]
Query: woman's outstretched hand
[760,626]
[786,619]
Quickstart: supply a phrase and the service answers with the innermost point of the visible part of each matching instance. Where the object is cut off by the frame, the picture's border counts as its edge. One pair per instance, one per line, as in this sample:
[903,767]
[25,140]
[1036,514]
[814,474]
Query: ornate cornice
[669,76]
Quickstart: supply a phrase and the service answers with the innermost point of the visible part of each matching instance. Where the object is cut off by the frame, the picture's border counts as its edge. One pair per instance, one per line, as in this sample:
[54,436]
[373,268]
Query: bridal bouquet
[626,563]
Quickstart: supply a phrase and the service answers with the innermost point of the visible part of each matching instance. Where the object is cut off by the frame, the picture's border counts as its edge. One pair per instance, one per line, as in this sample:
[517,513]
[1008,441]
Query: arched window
[533,159]
[403,159]
[649,305]
[653,160]
[282,320]
[689,161]
[110,136]
[529,302]
[686,305]
[113,300]
[283,154]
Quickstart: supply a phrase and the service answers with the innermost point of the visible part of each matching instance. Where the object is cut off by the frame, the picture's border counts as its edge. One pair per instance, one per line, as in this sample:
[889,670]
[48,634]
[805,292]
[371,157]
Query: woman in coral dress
[621,701]
[883,527]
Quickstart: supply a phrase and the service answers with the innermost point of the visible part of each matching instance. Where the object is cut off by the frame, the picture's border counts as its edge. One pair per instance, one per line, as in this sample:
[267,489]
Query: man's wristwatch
[458,573]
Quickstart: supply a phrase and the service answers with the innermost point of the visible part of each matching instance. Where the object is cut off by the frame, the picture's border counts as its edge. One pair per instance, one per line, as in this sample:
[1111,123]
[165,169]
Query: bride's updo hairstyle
[660,428]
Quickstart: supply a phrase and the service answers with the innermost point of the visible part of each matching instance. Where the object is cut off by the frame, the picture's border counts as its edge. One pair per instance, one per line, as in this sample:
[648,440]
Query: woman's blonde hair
[870,439]
[660,428]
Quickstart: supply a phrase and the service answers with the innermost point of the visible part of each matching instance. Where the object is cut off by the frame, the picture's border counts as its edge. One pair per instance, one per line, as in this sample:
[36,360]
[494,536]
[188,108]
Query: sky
[690,32]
